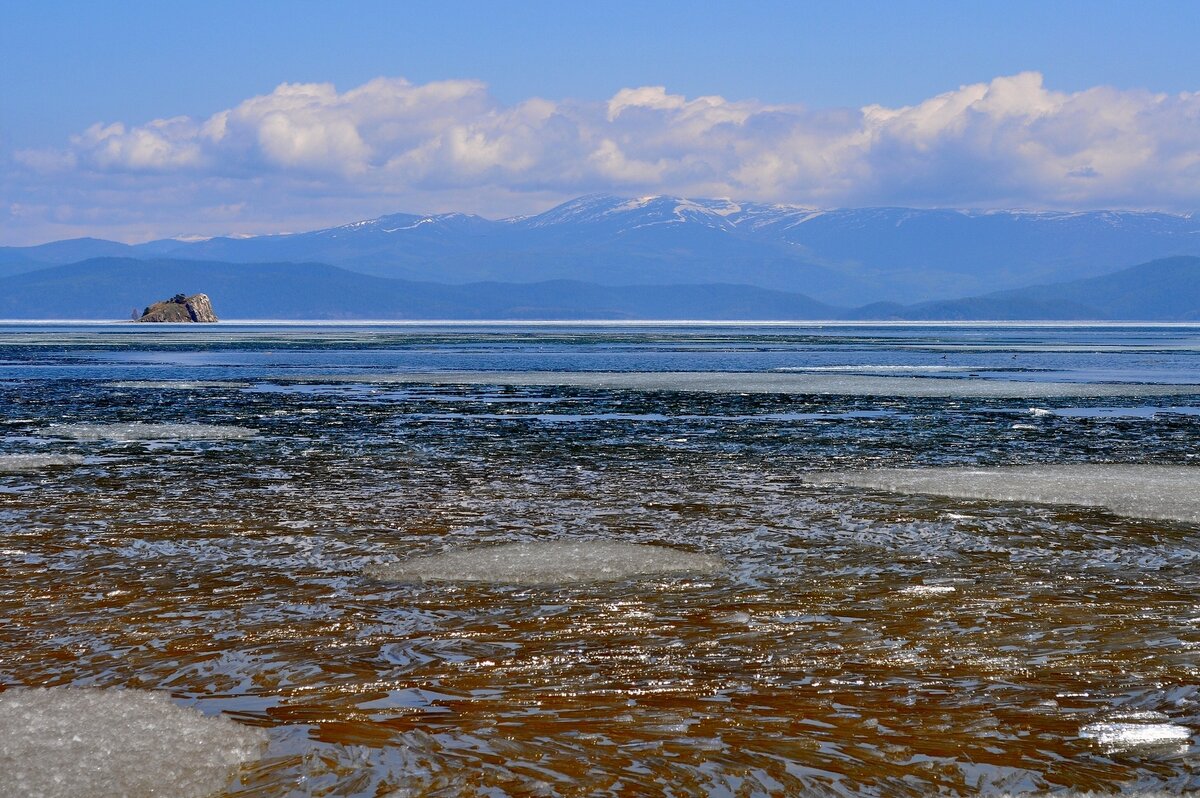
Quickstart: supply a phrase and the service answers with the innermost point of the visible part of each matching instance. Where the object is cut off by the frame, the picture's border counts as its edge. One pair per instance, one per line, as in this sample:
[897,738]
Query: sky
[140,120]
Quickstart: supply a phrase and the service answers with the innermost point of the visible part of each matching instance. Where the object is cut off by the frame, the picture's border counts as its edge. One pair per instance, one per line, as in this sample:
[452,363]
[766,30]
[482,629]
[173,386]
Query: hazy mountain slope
[605,245]
[110,288]
[997,247]
[14,260]
[1168,288]
[403,237]
[1162,290]
[847,257]
[15,264]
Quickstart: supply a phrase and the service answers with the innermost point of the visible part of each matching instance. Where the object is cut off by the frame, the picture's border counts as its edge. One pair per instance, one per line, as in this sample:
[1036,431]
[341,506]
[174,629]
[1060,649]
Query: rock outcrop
[180,308]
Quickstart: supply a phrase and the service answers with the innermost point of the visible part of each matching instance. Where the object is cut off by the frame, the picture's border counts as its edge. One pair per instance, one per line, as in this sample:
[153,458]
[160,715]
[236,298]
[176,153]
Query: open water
[212,513]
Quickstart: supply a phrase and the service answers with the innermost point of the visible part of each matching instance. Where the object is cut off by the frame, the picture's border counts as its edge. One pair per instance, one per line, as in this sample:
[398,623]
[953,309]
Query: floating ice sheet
[183,385]
[773,382]
[71,743]
[137,431]
[866,368]
[573,418]
[20,463]
[1165,493]
[553,562]
[1145,411]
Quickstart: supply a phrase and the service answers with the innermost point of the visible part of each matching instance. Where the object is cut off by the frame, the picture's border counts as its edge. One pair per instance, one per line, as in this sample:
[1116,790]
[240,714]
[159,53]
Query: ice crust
[1165,493]
[553,562]
[20,463]
[138,431]
[774,382]
[93,743]
[183,385]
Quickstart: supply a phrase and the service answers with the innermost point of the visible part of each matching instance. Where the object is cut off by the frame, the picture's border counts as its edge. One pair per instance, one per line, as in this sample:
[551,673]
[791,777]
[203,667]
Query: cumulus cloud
[391,144]
[163,144]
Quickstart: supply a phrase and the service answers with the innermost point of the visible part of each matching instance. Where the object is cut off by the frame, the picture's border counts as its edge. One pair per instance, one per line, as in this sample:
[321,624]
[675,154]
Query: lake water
[211,512]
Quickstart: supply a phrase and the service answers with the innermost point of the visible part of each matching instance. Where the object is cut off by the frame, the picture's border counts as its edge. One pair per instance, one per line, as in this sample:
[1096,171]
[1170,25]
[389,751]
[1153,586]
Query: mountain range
[115,288]
[846,257]
[650,257]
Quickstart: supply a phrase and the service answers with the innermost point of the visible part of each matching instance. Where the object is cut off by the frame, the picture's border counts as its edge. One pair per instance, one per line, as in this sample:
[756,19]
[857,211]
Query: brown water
[857,642]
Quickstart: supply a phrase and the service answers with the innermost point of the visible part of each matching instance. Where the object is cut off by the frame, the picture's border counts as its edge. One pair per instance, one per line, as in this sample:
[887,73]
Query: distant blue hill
[843,257]
[111,288]
[1163,290]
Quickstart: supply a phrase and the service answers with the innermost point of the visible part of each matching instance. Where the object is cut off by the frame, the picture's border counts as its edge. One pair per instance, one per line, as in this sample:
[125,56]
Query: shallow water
[856,641]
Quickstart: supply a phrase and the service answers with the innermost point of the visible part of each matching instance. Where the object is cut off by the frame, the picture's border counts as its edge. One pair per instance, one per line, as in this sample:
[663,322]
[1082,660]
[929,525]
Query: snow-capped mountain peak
[842,256]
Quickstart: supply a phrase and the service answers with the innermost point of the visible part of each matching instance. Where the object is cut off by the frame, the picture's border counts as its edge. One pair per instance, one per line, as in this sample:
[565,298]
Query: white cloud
[163,144]
[391,144]
[613,163]
[654,97]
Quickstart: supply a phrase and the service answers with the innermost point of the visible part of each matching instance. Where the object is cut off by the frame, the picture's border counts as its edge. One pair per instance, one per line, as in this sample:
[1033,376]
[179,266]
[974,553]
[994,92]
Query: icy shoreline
[833,384]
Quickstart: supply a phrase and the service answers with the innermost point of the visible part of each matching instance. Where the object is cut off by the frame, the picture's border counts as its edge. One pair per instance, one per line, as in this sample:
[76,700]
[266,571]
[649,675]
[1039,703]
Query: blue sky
[504,108]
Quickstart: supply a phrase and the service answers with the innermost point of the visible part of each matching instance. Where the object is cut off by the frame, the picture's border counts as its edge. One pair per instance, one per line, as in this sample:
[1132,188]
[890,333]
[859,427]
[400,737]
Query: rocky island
[180,308]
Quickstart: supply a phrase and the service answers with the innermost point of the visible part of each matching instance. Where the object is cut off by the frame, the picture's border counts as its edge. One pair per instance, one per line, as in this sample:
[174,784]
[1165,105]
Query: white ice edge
[22,463]
[766,382]
[181,385]
[1168,493]
[547,563]
[74,742]
[141,431]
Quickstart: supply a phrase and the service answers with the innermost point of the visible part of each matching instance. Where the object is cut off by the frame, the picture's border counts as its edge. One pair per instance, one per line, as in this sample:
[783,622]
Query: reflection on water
[853,641]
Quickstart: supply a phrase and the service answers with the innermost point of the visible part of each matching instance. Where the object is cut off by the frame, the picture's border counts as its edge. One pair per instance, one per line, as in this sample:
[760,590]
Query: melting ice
[840,384]
[1165,493]
[553,562]
[68,743]
[138,431]
[19,463]
[182,385]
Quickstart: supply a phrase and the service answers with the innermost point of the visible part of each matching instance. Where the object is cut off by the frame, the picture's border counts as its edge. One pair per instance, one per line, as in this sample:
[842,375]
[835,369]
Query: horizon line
[1023,323]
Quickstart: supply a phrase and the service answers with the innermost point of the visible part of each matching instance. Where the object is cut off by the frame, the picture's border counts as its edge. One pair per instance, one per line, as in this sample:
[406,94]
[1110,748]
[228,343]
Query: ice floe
[552,562]
[1166,493]
[1141,411]
[183,385]
[72,743]
[20,463]
[884,368]
[138,431]
[574,418]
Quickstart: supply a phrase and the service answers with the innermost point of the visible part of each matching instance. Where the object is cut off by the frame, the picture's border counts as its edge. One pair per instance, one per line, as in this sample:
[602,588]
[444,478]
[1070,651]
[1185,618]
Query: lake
[213,512]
